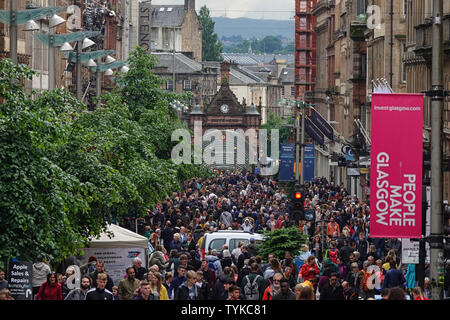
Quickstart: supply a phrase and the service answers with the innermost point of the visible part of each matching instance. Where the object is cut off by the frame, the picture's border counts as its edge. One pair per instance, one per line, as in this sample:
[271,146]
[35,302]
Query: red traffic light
[298,195]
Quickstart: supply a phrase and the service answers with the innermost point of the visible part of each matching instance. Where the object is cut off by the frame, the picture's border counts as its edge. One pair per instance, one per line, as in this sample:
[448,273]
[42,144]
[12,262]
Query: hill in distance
[253,28]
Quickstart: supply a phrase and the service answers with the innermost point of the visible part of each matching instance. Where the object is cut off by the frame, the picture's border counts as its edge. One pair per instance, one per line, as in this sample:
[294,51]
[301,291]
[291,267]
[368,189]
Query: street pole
[420,272]
[98,78]
[13,32]
[436,237]
[173,87]
[51,56]
[302,158]
[79,71]
[297,146]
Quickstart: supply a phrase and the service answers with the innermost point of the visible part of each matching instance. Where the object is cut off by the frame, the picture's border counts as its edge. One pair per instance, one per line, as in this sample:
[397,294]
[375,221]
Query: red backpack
[333,255]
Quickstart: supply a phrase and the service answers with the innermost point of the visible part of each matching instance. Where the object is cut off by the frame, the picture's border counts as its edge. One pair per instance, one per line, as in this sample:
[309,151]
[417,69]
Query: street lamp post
[98,78]
[79,73]
[51,56]
[13,32]
[437,92]
[14,18]
[297,148]
[302,177]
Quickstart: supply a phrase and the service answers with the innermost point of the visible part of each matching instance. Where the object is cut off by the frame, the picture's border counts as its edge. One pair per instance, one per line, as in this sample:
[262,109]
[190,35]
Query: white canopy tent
[117,251]
[123,238]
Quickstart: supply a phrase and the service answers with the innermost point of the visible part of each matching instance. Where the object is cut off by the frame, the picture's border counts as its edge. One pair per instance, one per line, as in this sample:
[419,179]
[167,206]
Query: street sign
[364,170]
[322,124]
[313,132]
[20,280]
[410,249]
[309,162]
[349,153]
[353,172]
[287,159]
[145,25]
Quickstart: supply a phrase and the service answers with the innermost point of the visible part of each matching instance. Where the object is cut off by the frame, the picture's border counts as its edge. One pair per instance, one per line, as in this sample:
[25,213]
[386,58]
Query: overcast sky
[255,9]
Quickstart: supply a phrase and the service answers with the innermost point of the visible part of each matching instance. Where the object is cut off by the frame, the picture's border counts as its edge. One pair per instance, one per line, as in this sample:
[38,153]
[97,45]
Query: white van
[231,238]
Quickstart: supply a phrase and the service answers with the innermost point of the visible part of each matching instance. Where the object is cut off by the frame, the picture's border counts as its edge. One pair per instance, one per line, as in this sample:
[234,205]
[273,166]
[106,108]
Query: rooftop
[167,15]
[183,64]
[254,59]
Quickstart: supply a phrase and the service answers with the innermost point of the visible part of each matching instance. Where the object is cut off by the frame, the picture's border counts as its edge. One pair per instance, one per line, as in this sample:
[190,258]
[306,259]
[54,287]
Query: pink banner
[396,166]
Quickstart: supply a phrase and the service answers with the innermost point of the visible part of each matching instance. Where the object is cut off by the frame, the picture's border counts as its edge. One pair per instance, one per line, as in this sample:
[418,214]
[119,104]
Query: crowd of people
[340,262]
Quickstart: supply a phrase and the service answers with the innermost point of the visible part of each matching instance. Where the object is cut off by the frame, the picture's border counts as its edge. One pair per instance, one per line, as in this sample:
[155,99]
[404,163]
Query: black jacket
[344,253]
[140,297]
[96,294]
[219,292]
[332,293]
[203,291]
[140,273]
[109,283]
[226,262]
[242,257]
[182,292]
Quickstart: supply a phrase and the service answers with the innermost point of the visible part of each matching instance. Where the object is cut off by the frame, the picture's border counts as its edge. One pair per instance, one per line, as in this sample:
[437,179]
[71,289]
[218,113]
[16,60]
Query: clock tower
[224,112]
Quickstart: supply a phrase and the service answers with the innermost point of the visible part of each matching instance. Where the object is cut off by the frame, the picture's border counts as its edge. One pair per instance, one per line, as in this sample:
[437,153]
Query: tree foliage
[211,47]
[281,240]
[277,123]
[66,173]
[269,44]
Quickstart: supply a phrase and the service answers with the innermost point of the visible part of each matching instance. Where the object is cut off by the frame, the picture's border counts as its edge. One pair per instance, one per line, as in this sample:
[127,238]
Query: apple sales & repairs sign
[396,166]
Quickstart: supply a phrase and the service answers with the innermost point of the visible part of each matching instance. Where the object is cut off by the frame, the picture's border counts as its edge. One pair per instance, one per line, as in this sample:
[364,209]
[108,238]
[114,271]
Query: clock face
[224,108]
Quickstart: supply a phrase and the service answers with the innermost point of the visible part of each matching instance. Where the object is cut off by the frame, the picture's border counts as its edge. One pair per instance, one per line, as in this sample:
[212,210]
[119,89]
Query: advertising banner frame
[396,166]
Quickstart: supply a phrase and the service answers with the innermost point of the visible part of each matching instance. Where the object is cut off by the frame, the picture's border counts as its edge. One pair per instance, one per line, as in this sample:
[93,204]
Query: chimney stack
[189,4]
[225,72]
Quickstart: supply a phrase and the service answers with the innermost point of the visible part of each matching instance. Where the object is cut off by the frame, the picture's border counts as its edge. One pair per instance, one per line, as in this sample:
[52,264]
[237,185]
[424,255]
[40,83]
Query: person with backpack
[274,288]
[333,252]
[214,262]
[253,284]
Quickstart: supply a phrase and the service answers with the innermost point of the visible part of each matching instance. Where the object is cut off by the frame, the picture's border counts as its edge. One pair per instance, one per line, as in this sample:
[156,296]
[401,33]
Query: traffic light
[298,209]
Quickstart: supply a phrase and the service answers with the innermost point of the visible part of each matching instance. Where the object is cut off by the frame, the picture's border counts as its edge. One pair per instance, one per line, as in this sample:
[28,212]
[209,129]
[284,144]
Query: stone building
[177,27]
[225,113]
[417,64]
[32,52]
[116,19]
[190,76]
[339,91]
[385,47]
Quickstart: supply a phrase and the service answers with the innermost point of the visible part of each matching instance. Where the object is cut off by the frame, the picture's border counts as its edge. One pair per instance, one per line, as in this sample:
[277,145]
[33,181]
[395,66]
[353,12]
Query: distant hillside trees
[211,47]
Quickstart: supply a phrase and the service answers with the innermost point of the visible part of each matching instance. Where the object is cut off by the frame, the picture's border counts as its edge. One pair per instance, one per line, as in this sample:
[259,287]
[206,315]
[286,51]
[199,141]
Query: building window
[292,91]
[282,91]
[361,7]
[364,116]
[405,8]
[403,63]
[187,85]
[169,85]
[363,73]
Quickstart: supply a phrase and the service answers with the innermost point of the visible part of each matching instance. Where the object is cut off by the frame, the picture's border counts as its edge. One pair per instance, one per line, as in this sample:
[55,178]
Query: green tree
[66,173]
[275,122]
[211,47]
[270,44]
[281,240]
[41,205]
